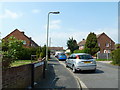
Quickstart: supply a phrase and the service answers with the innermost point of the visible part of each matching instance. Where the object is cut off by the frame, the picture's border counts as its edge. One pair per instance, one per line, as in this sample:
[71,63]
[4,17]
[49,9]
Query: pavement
[58,77]
[105,61]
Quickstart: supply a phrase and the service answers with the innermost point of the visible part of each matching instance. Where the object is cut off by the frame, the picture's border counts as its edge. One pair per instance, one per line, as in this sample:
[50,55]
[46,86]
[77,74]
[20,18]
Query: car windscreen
[85,57]
[61,54]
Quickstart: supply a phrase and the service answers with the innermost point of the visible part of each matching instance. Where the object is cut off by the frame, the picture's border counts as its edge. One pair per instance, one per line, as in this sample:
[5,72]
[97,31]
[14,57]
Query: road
[106,76]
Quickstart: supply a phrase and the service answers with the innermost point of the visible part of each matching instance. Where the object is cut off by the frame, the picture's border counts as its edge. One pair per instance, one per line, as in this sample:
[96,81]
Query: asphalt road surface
[106,76]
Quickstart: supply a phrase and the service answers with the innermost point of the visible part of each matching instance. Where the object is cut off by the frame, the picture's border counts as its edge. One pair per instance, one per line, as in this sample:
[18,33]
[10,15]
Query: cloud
[54,24]
[10,14]
[60,38]
[35,11]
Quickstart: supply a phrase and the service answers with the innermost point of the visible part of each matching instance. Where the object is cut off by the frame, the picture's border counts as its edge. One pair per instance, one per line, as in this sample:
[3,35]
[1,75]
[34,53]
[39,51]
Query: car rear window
[85,57]
[61,54]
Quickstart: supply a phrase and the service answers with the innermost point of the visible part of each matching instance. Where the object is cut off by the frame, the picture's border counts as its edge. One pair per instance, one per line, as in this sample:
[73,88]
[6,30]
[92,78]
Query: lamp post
[48,34]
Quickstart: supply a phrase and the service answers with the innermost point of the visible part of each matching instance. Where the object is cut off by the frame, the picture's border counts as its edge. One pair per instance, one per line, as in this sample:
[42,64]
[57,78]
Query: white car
[81,61]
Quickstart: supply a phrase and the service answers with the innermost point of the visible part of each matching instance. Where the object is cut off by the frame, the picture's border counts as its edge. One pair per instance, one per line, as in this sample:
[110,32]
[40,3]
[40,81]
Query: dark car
[61,56]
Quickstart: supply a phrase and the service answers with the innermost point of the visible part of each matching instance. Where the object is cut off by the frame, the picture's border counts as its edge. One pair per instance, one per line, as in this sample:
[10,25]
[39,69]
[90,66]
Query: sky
[76,19]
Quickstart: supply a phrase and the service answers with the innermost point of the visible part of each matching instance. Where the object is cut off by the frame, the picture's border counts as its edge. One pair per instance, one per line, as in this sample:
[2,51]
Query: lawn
[103,59]
[21,62]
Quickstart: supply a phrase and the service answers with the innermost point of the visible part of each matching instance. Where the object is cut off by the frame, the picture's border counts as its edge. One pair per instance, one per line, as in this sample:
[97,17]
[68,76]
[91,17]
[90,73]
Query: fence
[22,76]
[103,56]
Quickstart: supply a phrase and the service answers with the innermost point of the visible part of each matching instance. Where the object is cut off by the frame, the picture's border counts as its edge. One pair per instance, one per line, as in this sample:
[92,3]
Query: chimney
[30,41]
[22,32]
[83,39]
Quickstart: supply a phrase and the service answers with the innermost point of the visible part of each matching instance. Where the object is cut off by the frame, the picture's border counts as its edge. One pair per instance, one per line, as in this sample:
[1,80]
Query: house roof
[56,48]
[84,41]
[23,34]
[98,35]
[104,34]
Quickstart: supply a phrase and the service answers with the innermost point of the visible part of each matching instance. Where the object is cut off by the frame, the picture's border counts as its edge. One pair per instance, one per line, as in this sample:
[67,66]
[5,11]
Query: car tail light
[77,57]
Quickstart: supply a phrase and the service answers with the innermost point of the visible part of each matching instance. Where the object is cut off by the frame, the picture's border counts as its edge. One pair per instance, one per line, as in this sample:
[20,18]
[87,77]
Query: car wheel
[73,69]
[66,65]
[93,70]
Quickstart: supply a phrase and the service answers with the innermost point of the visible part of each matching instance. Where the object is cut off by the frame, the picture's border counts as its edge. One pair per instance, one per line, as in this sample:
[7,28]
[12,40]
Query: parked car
[62,56]
[81,61]
[57,53]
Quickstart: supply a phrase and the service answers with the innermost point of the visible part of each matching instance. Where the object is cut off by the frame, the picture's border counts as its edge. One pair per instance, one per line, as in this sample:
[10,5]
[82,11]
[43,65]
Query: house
[105,43]
[27,41]
[54,49]
[81,44]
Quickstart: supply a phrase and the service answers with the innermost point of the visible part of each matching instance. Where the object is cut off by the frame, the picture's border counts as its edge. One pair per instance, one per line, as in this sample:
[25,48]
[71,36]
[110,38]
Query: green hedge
[116,56]
[79,51]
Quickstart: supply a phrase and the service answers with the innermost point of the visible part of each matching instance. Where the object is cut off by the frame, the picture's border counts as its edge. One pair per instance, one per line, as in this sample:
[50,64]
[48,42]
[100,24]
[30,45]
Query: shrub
[26,53]
[116,56]
[6,60]
[79,51]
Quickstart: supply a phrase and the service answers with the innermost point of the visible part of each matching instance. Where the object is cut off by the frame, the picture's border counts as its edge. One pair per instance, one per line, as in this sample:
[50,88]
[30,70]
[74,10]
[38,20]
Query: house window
[107,44]
[99,44]
[24,42]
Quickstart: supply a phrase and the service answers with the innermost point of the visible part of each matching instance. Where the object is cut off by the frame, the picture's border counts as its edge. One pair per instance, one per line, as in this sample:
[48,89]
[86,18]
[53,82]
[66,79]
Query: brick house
[54,49]
[105,43]
[27,41]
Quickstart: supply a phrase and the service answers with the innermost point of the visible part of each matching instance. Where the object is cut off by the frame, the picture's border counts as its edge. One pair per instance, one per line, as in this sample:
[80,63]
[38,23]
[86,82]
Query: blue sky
[76,19]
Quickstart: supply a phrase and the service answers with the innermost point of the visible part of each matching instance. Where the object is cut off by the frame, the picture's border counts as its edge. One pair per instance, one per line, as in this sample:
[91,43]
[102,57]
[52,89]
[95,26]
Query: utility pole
[50,42]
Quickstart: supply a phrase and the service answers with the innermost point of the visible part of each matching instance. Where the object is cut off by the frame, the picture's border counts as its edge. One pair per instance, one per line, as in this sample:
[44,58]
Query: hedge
[116,56]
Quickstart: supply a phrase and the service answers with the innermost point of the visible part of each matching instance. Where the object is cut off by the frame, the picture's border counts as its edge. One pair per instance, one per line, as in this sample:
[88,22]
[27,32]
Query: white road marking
[81,84]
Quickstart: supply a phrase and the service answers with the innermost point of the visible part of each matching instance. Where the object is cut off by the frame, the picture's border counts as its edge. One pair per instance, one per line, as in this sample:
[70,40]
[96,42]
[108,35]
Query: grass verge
[21,62]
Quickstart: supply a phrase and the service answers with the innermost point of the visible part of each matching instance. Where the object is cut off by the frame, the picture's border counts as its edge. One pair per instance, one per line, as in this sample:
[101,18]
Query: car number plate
[87,62]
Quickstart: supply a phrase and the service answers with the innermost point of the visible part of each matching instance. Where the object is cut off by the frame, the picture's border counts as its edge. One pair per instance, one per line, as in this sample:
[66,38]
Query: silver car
[81,61]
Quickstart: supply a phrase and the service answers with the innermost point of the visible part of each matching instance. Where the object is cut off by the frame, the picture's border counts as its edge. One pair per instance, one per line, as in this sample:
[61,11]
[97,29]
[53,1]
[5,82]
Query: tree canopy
[72,44]
[91,45]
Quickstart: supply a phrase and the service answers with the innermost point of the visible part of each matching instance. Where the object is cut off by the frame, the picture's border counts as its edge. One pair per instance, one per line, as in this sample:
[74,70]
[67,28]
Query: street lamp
[48,34]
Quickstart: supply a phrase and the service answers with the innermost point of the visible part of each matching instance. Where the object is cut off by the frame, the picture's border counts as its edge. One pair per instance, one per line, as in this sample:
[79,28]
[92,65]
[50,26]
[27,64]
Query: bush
[6,60]
[79,51]
[116,56]
[26,53]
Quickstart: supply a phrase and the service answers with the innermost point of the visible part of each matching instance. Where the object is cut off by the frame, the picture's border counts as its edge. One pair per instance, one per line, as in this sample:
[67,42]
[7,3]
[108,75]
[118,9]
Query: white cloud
[54,24]
[35,11]
[60,38]
[10,14]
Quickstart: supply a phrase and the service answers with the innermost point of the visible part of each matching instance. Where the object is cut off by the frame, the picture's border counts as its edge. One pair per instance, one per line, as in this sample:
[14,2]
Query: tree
[72,44]
[43,52]
[11,53]
[117,46]
[91,45]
